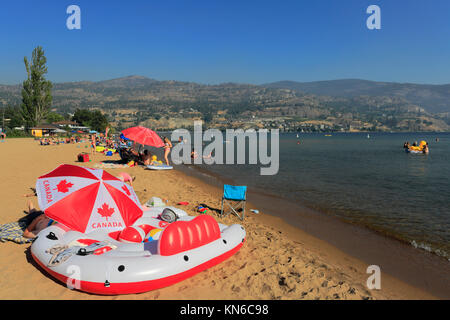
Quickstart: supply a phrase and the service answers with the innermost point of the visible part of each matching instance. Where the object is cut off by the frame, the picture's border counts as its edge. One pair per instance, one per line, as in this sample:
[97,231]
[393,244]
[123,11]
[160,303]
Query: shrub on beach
[18,134]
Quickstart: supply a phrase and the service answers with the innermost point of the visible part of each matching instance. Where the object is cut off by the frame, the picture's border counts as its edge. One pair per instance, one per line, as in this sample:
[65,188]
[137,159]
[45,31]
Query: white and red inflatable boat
[148,255]
[105,242]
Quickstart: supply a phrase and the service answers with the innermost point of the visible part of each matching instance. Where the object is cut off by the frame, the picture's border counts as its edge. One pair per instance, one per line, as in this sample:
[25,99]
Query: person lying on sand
[37,224]
[26,229]
[34,194]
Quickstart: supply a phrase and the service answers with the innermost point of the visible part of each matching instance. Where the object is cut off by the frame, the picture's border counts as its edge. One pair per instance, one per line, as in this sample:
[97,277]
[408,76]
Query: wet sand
[278,260]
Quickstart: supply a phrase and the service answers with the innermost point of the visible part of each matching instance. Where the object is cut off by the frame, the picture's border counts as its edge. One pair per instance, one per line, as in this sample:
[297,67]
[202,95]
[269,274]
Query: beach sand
[277,260]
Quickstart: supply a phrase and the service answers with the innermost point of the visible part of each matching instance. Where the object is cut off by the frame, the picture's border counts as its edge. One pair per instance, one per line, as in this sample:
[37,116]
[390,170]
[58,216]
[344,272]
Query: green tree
[207,116]
[36,92]
[93,119]
[98,121]
[53,117]
[82,116]
[14,116]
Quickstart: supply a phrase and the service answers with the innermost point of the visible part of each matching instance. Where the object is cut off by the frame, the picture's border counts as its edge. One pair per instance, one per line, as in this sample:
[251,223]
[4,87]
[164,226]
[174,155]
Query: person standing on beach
[93,144]
[167,147]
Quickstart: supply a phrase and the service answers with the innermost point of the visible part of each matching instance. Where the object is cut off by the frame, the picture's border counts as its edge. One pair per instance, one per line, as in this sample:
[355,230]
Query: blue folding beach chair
[234,197]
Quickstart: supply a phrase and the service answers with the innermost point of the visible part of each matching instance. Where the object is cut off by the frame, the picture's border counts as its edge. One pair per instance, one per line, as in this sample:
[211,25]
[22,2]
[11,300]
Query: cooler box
[83,157]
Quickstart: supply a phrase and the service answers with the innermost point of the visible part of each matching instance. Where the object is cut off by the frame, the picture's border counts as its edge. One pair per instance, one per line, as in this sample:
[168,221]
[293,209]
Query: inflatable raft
[159,167]
[150,254]
[417,149]
[409,150]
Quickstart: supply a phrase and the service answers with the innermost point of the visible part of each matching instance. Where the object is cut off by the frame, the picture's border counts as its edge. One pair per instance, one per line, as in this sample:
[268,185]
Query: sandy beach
[277,261]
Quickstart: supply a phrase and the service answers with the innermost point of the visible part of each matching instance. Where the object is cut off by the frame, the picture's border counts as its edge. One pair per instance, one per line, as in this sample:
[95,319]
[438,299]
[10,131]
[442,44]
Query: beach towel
[13,231]
[103,165]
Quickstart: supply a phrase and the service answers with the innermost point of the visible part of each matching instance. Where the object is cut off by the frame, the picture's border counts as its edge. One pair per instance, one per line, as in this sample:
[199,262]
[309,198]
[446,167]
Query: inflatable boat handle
[52,236]
[82,252]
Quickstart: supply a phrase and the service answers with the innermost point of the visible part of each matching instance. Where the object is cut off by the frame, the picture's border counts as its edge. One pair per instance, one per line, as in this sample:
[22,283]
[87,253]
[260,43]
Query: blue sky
[242,41]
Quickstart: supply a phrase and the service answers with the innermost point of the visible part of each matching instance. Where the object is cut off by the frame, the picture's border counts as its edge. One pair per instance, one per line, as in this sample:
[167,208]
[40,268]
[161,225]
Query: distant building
[74,126]
[66,123]
[43,130]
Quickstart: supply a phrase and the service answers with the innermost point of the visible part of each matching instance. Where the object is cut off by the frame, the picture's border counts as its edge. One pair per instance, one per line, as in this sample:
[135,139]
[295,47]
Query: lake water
[371,182]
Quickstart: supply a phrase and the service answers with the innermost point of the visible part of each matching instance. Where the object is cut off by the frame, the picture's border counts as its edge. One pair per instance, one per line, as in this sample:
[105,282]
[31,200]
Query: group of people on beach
[27,228]
[144,156]
[56,141]
[101,140]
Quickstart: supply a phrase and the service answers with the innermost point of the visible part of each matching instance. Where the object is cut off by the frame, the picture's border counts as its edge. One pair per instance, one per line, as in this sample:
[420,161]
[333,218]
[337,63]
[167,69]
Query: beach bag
[109,153]
[83,157]
[154,202]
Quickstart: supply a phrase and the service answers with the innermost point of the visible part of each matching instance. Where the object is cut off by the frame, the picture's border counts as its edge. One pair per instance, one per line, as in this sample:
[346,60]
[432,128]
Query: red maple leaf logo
[105,211]
[63,186]
[124,188]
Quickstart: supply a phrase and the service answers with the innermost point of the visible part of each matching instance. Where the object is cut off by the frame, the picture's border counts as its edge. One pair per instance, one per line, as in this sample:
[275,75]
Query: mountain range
[433,98]
[380,103]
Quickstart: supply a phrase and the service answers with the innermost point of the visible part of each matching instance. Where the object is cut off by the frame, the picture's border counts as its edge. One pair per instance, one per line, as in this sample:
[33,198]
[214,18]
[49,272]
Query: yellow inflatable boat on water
[421,148]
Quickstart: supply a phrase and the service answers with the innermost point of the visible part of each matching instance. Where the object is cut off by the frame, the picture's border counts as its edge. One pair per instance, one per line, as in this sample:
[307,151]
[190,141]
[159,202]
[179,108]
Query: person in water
[194,155]
[425,149]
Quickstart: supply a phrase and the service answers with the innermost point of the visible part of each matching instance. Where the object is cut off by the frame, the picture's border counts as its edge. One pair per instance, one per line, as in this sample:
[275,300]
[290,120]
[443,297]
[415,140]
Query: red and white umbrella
[85,199]
[143,136]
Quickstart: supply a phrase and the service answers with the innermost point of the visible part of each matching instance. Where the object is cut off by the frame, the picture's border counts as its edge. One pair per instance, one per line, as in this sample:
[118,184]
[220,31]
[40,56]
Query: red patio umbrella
[85,199]
[143,136]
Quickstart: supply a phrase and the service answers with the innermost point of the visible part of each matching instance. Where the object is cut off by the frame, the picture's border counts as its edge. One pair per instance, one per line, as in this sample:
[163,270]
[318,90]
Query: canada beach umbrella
[143,136]
[85,199]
